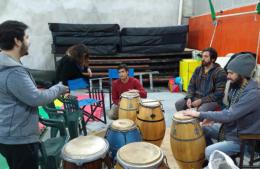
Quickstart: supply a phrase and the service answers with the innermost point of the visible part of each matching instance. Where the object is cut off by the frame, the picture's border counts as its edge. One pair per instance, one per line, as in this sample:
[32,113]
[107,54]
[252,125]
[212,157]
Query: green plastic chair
[43,113]
[50,149]
[3,162]
[72,115]
[52,112]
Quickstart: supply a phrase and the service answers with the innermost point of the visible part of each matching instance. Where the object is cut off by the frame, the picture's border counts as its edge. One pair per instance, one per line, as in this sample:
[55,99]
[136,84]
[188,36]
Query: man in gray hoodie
[242,114]
[19,99]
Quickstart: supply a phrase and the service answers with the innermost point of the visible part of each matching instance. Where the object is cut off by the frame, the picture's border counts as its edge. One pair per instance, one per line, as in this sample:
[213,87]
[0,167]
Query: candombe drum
[187,141]
[140,155]
[120,133]
[150,120]
[85,152]
[128,105]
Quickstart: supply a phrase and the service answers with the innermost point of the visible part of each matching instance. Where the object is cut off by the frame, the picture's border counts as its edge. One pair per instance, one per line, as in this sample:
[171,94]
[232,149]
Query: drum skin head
[123,124]
[139,153]
[150,103]
[130,95]
[179,115]
[85,149]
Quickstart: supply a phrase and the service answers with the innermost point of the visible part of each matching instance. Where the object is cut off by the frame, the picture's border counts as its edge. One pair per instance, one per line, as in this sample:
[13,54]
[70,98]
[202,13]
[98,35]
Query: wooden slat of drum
[152,132]
[127,114]
[128,108]
[151,123]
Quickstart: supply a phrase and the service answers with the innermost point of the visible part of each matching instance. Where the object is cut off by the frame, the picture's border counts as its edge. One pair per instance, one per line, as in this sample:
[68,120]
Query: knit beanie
[243,64]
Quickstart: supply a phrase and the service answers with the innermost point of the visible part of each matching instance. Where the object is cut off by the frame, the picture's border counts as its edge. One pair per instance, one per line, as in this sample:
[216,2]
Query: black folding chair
[96,101]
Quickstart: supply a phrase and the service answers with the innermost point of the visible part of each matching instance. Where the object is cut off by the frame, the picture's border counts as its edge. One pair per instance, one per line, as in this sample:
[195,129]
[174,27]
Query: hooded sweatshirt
[241,117]
[19,99]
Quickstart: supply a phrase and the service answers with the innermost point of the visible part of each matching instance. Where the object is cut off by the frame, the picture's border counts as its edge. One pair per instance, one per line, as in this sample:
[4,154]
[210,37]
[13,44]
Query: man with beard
[123,84]
[207,85]
[242,114]
[19,99]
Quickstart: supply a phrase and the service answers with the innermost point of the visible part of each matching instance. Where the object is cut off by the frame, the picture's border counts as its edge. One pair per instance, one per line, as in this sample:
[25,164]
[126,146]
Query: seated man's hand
[192,113]
[196,103]
[66,95]
[188,103]
[206,122]
[89,72]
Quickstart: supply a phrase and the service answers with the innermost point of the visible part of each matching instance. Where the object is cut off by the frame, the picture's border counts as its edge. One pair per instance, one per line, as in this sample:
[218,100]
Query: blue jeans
[228,147]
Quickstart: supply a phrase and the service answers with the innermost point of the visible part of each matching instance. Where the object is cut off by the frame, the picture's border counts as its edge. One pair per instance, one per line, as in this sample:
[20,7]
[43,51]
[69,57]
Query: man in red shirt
[123,84]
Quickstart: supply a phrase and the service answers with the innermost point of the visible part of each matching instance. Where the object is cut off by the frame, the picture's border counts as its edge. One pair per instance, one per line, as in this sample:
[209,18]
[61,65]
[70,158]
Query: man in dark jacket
[207,85]
[242,114]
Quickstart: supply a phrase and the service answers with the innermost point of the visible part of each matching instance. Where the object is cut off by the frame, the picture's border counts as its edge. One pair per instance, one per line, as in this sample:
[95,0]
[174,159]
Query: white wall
[38,13]
[188,10]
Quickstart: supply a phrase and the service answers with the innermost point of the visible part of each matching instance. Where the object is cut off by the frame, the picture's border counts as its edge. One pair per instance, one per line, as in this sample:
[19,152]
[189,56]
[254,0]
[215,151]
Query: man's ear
[18,43]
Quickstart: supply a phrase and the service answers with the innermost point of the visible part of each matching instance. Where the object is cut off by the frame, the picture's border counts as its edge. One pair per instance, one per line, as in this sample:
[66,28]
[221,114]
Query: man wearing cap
[207,85]
[243,111]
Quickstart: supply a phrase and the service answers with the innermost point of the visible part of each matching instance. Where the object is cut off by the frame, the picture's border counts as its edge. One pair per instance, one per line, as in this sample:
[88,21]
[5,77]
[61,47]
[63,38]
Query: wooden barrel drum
[128,105]
[151,122]
[187,141]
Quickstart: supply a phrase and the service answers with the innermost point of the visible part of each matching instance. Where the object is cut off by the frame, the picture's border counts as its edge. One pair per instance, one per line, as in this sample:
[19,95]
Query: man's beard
[24,50]
[206,64]
[237,83]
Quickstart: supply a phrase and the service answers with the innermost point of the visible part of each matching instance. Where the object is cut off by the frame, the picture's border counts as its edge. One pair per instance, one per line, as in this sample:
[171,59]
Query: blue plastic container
[120,133]
[178,81]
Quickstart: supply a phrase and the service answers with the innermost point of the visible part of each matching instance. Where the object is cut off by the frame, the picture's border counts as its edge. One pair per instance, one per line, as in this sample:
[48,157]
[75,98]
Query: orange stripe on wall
[233,34]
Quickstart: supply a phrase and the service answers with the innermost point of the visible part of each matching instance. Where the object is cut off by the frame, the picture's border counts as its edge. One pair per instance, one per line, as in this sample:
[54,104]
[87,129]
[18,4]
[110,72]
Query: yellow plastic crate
[187,67]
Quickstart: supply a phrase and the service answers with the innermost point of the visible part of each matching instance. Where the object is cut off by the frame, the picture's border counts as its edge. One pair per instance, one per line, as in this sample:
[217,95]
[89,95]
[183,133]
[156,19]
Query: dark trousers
[21,156]
[181,105]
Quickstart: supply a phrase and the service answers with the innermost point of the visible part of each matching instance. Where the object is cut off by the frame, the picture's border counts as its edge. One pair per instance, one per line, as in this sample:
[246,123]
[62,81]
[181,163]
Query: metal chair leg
[242,147]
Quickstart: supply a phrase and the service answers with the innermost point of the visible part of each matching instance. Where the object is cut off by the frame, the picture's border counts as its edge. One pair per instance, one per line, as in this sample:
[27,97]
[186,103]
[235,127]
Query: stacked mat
[154,40]
[102,39]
